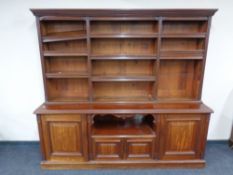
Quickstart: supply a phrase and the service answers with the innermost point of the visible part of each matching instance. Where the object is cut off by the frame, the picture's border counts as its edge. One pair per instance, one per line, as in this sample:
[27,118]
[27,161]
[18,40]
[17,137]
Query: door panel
[65,137]
[182,136]
[107,149]
[139,149]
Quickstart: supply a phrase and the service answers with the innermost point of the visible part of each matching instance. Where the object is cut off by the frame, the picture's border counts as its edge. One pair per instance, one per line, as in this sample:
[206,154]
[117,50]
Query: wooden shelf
[181,58]
[185,19]
[122,78]
[124,35]
[62,18]
[123,99]
[123,57]
[59,53]
[65,36]
[153,19]
[175,53]
[66,99]
[183,35]
[122,130]
[66,75]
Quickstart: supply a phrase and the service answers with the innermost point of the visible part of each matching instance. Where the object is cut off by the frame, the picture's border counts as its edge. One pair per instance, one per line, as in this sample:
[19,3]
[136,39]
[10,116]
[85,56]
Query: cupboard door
[107,149]
[183,136]
[139,149]
[65,137]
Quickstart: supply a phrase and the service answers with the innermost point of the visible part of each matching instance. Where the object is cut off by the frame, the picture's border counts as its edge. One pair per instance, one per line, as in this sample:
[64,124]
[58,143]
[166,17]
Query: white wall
[21,88]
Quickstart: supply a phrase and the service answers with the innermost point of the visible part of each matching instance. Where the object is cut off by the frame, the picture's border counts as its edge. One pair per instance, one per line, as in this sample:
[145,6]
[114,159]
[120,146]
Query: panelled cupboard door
[137,149]
[113,148]
[183,136]
[65,137]
[108,149]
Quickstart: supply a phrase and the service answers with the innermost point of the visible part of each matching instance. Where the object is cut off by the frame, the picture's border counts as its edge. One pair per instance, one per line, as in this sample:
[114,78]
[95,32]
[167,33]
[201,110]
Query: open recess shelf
[130,127]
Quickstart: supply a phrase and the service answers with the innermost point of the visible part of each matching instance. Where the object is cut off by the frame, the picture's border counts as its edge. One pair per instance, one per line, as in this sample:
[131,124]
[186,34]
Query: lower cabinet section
[163,138]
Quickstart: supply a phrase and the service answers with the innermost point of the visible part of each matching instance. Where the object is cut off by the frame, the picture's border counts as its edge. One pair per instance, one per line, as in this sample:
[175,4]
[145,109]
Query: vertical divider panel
[157,63]
[39,31]
[89,64]
[204,56]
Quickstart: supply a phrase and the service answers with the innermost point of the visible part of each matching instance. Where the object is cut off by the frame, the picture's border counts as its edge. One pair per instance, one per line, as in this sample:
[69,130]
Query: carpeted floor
[24,158]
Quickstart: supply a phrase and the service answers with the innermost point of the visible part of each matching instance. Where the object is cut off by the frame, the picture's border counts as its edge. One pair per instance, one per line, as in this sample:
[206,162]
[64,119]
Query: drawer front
[107,149]
[139,149]
[64,137]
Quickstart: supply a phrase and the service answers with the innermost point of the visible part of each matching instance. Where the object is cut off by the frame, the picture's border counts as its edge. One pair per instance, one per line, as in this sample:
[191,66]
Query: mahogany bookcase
[123,87]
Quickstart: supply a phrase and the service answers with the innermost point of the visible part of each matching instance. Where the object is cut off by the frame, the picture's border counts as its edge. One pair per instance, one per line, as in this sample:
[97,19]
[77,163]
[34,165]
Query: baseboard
[19,142]
[217,141]
[37,142]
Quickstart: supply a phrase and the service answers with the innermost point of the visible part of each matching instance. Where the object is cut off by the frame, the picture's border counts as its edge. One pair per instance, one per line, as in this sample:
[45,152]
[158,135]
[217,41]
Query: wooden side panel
[182,136]
[65,137]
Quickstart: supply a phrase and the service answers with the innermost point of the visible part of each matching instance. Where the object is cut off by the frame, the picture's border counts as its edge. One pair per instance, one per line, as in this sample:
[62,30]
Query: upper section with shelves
[123,55]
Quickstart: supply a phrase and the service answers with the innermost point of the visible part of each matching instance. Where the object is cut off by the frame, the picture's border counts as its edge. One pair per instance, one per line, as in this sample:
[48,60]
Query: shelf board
[183,35]
[122,35]
[123,99]
[185,18]
[66,75]
[182,58]
[123,57]
[66,99]
[65,36]
[122,78]
[122,130]
[155,19]
[59,53]
[62,18]
[174,52]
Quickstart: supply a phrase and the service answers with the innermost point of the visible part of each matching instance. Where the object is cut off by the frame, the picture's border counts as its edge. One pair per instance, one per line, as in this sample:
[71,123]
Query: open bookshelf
[122,59]
[122,86]
[100,60]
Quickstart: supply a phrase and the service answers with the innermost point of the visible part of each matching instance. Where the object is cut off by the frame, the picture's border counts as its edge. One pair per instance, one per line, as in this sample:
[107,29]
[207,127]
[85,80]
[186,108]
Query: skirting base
[123,164]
